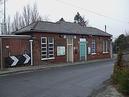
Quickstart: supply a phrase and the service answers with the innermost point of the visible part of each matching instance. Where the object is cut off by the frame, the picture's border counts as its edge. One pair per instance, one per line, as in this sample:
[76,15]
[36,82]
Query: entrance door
[70,53]
[69,49]
[83,49]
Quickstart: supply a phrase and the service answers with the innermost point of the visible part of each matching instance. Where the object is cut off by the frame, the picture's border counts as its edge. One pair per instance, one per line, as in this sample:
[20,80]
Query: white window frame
[51,47]
[93,43]
[105,46]
[47,48]
[43,47]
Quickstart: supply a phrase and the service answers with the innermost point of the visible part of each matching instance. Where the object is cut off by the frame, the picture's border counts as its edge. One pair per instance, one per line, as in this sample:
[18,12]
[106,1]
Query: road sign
[27,58]
[17,60]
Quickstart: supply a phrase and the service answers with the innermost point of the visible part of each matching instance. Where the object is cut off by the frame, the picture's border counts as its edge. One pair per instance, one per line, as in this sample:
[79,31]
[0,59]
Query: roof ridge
[47,22]
[33,27]
[58,22]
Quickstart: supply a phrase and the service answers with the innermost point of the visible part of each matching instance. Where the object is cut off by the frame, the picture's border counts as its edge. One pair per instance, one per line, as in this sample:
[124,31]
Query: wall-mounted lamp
[75,37]
[7,46]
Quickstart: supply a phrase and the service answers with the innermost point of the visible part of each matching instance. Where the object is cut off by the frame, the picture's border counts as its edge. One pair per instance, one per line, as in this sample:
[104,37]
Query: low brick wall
[13,46]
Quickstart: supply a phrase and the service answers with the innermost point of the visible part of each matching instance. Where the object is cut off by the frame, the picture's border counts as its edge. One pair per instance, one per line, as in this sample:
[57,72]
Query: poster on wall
[89,50]
[60,50]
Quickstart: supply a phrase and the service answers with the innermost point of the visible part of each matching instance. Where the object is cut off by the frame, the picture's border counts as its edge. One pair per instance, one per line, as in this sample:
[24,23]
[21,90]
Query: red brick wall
[99,48]
[58,41]
[17,46]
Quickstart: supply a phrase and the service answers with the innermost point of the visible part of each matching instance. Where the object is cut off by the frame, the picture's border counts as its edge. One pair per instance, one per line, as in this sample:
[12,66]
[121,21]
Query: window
[93,47]
[105,46]
[44,47]
[47,48]
[50,47]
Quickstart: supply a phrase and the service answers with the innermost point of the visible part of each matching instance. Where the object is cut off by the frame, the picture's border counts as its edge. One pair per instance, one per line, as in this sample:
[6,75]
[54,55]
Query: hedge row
[121,75]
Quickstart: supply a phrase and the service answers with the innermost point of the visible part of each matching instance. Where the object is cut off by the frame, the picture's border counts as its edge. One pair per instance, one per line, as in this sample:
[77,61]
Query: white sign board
[60,50]
[89,50]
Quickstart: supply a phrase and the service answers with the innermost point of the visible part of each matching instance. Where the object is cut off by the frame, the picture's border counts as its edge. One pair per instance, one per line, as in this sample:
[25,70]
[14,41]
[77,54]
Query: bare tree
[15,24]
[28,16]
[1,14]
[31,14]
[80,20]
[8,25]
[1,2]
[46,18]
[35,14]
[86,22]
[21,21]
[2,26]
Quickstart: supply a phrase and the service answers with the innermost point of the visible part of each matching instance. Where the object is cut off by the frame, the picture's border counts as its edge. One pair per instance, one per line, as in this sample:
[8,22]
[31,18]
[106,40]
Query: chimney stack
[105,28]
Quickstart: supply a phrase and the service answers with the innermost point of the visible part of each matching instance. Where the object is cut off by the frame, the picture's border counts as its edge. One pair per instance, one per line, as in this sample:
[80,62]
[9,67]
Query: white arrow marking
[15,60]
[27,58]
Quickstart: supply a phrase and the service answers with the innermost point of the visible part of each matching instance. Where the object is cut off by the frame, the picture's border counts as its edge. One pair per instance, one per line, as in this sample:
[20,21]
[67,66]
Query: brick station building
[61,42]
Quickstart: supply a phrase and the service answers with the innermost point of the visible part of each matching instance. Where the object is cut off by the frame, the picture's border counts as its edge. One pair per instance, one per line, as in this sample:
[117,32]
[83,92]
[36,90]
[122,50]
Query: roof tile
[62,27]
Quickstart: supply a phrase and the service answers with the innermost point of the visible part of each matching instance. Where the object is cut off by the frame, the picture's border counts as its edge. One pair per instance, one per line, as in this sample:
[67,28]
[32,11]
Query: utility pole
[4,24]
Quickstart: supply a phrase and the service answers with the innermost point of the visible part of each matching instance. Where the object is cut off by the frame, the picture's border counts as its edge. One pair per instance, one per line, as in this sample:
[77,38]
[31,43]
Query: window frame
[105,46]
[43,47]
[93,46]
[47,43]
[51,47]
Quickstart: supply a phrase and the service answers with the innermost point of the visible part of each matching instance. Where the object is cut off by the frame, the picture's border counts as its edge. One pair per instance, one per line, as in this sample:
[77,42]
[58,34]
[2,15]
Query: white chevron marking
[27,58]
[15,60]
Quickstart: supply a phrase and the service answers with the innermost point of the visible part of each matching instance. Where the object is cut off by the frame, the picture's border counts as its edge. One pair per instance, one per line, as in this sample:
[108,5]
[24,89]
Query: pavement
[7,71]
[109,91]
[106,90]
[74,80]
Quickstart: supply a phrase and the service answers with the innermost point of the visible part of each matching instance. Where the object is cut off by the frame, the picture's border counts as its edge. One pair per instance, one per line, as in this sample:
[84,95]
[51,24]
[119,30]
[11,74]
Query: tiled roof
[61,27]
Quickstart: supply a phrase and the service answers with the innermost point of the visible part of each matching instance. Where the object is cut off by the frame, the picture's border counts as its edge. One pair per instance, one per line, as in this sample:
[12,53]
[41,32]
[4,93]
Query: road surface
[70,81]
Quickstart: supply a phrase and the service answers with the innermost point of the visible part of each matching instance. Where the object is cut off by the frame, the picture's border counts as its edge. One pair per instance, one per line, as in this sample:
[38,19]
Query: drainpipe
[31,49]
[1,54]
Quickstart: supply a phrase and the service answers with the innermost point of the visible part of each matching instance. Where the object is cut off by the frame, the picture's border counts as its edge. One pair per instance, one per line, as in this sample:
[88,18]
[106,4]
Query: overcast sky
[113,13]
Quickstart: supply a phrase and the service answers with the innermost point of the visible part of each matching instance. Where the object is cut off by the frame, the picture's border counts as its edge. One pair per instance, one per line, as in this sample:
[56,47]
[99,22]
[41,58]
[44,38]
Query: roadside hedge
[121,75]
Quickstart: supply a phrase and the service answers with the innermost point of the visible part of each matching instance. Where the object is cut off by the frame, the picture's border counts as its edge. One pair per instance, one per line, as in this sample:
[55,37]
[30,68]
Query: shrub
[121,75]
[123,80]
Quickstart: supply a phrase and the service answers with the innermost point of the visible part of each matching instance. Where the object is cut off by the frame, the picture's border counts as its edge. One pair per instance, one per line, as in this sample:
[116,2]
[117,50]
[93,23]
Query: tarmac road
[70,81]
